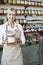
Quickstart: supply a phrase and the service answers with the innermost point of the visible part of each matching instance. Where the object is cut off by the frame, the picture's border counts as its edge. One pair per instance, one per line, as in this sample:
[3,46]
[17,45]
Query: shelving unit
[32,51]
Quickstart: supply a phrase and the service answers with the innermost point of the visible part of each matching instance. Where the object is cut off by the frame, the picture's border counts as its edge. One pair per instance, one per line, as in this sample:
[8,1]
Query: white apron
[12,55]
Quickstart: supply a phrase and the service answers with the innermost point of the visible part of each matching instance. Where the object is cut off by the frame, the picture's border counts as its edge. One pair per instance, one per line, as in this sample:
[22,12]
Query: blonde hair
[11,10]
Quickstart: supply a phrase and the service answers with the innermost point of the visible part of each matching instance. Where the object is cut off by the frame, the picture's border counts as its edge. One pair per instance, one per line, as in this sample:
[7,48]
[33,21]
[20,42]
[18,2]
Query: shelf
[35,15]
[16,14]
[37,22]
[33,32]
[33,6]
[26,5]
[13,4]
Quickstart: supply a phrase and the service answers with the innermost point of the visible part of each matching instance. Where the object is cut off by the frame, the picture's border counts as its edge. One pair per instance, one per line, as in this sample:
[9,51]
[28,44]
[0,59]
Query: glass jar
[36,12]
[18,20]
[26,2]
[30,11]
[18,2]
[1,11]
[26,12]
[21,21]
[10,1]
[5,11]
[41,3]
[33,12]
[39,12]
[29,2]
[22,1]
[5,1]
[42,12]
[33,3]
[22,11]
[18,11]
[24,20]
[36,3]
[14,1]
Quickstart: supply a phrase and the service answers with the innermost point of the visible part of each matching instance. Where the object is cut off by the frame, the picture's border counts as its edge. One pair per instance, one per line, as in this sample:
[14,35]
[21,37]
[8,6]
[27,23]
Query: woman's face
[11,16]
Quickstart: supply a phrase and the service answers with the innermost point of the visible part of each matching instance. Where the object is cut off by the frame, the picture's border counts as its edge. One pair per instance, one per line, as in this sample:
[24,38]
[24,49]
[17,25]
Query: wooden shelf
[16,14]
[26,5]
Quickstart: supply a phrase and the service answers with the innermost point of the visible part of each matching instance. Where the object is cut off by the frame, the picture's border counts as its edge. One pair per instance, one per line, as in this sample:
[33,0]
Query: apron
[12,55]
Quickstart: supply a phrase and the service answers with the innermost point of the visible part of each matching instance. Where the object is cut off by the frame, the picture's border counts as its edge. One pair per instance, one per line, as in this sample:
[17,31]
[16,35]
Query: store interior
[29,13]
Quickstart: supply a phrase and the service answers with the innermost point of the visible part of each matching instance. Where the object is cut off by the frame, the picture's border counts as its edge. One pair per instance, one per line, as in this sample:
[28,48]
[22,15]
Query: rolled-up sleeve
[22,37]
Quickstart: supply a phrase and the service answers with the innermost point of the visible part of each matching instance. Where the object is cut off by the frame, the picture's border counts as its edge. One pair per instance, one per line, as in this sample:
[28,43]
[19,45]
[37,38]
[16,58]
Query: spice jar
[10,1]
[41,3]
[26,12]
[1,11]
[18,11]
[18,1]
[22,2]
[14,1]
[5,11]
[26,2]
[33,3]
[29,2]
[36,3]
[22,11]
[5,1]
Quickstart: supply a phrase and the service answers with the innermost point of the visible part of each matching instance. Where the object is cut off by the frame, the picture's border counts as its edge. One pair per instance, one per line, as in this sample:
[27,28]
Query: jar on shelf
[25,21]
[18,2]
[26,2]
[14,1]
[39,12]
[18,20]
[26,12]
[33,12]
[41,3]
[5,1]
[33,3]
[1,11]
[10,1]
[21,21]
[5,11]
[29,3]
[18,11]
[36,3]
[36,12]
[29,11]
[22,1]
[42,12]
[22,12]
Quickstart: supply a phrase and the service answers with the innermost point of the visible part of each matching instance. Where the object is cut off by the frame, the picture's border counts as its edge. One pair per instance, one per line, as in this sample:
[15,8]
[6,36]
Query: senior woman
[13,37]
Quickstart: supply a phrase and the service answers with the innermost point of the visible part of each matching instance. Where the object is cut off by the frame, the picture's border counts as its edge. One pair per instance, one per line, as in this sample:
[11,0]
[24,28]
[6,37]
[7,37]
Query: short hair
[11,10]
